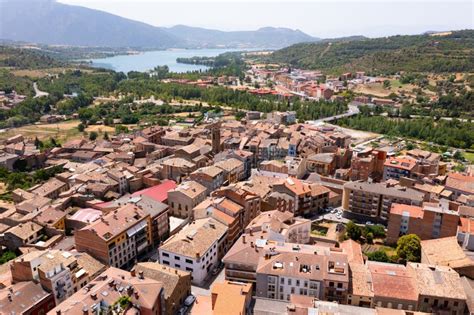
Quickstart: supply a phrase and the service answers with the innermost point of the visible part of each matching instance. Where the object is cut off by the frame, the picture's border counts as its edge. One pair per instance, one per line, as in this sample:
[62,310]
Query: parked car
[189,300]
[183,310]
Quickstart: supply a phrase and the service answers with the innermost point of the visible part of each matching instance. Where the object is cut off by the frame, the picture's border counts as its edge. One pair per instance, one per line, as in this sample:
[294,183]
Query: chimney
[132,272]
[32,227]
[94,296]
[251,244]
[85,310]
[140,275]
[58,312]
[10,297]
[243,239]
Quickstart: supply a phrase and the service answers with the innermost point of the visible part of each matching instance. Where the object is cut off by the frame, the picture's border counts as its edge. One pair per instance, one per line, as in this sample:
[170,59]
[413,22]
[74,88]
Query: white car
[189,300]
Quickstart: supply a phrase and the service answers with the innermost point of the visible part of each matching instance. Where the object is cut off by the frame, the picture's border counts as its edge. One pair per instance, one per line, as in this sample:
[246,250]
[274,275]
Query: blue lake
[148,60]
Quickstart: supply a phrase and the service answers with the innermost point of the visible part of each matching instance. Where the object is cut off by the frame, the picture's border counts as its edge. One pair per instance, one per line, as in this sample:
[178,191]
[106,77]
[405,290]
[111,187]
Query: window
[271,288]
[177,265]
[189,261]
[331,284]
[166,255]
[456,303]
[426,300]
[189,269]
[177,257]
[292,290]
[165,262]
[339,285]
[289,281]
[297,283]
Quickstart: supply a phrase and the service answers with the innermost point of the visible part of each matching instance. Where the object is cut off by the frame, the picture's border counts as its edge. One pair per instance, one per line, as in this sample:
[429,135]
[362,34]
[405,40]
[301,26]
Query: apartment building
[306,198]
[104,293]
[176,283]
[428,222]
[250,201]
[281,227]
[211,177]
[373,201]
[196,249]
[368,164]
[59,272]
[117,238]
[185,197]
[322,275]
[397,167]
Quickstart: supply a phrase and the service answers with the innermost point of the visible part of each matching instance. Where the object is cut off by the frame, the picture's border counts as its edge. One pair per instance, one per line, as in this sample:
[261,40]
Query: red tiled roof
[158,192]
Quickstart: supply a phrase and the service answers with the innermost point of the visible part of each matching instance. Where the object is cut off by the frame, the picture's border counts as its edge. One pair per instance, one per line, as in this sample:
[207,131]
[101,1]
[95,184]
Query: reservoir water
[148,60]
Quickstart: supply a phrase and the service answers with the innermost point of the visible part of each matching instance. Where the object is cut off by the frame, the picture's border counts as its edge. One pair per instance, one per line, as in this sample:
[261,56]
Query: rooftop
[195,239]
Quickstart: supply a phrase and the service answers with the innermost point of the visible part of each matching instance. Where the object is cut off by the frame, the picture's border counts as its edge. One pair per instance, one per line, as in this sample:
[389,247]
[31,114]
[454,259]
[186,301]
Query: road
[353,110]
[39,93]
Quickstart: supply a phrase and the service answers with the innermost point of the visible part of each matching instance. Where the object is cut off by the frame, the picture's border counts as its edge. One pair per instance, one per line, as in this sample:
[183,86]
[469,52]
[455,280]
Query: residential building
[185,197]
[118,238]
[281,227]
[322,275]
[176,283]
[233,169]
[25,298]
[460,184]
[306,198]
[397,167]
[428,222]
[439,289]
[211,177]
[197,248]
[59,272]
[137,294]
[393,285]
[321,163]
[368,201]
[447,252]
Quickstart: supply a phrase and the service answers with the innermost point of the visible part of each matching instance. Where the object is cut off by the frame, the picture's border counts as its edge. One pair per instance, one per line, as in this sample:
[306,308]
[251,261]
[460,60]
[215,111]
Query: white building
[198,248]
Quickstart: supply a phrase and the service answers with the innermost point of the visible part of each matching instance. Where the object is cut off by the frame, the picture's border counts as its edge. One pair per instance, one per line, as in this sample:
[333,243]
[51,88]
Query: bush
[379,255]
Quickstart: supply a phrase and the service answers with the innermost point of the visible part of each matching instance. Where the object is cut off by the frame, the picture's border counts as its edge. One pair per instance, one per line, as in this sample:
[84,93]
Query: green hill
[416,53]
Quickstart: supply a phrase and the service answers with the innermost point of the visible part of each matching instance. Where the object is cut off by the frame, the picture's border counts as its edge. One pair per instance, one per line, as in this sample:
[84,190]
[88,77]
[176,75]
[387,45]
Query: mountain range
[53,23]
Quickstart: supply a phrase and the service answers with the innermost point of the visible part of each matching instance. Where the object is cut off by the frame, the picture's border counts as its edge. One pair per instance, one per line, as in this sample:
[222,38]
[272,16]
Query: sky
[321,18]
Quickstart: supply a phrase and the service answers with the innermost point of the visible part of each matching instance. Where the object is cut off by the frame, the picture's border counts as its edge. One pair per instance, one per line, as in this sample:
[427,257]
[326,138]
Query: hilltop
[451,52]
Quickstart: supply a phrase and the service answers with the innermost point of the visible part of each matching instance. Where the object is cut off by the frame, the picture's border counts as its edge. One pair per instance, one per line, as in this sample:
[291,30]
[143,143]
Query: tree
[353,231]
[106,136]
[81,127]
[369,237]
[93,135]
[409,248]
[386,84]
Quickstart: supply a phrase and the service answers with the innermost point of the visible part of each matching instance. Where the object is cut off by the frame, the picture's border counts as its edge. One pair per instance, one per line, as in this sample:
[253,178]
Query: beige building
[176,283]
[185,197]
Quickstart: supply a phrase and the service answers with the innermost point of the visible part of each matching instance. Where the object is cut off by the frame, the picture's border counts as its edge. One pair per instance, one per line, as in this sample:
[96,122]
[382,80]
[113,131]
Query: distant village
[236,217]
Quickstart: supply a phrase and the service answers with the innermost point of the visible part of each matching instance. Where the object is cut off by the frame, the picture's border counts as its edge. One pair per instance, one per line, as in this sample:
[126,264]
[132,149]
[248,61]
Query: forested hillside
[417,53]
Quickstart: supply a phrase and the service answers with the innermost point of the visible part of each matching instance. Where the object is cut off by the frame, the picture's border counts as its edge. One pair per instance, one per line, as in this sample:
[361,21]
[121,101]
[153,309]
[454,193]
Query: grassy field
[469,156]
[62,131]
